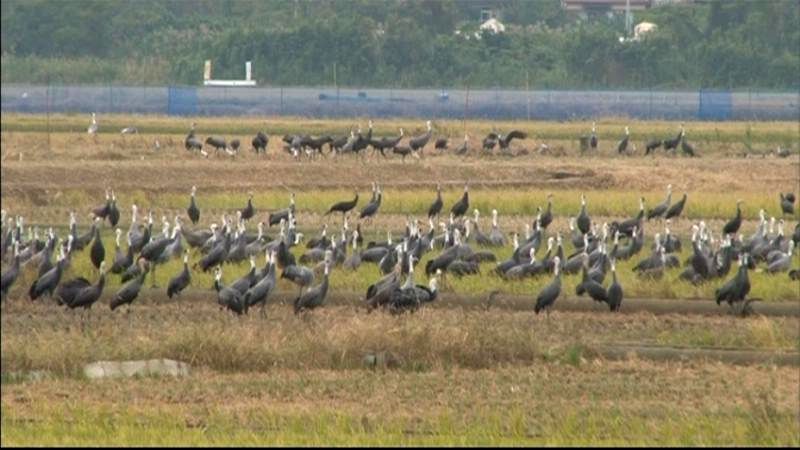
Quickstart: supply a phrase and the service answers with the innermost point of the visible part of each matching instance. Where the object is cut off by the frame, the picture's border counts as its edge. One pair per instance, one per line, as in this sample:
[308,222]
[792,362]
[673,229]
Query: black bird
[787,203]
[410,297]
[180,281]
[191,142]
[441,144]
[248,280]
[736,289]
[686,147]
[672,144]
[732,227]
[228,297]
[313,297]
[97,253]
[113,211]
[122,260]
[436,206]
[547,217]
[344,206]
[652,146]
[192,210]
[505,141]
[276,216]
[403,151]
[234,145]
[260,292]
[549,294]
[493,139]
[372,207]
[48,282]
[419,142]
[217,255]
[217,142]
[676,209]
[88,295]
[248,212]
[79,242]
[102,211]
[128,293]
[614,294]
[590,286]
[662,207]
[462,206]
[67,291]
[385,143]
[260,142]
[379,293]
[626,226]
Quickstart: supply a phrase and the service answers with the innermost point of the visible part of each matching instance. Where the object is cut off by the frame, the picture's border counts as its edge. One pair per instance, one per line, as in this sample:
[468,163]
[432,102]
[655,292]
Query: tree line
[421,43]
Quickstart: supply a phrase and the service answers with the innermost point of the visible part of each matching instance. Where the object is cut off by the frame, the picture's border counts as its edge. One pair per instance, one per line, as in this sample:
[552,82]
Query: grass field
[451,374]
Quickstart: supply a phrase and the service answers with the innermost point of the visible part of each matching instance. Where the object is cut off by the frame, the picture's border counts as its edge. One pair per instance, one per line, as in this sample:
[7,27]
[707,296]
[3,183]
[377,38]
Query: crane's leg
[153,278]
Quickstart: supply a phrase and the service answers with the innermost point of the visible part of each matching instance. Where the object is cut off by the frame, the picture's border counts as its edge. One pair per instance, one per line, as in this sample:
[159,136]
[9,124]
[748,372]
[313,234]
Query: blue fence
[715,105]
[429,103]
[182,101]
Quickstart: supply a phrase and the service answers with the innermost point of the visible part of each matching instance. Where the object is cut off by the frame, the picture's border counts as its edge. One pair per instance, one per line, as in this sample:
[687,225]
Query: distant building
[642,28]
[494,26]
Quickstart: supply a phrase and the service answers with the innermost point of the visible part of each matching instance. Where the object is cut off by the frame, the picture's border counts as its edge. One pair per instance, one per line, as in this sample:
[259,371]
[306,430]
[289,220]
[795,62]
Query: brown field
[465,371]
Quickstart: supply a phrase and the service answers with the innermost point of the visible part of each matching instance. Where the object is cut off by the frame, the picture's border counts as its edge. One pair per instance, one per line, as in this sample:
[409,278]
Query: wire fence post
[528,92]
[47,107]
[466,108]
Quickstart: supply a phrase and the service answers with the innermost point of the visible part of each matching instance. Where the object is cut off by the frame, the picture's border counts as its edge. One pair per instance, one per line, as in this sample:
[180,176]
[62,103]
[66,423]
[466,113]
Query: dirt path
[174,174]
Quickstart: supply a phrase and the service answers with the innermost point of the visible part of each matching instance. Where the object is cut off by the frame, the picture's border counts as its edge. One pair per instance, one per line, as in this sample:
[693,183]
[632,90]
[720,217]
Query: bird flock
[357,142]
[457,246]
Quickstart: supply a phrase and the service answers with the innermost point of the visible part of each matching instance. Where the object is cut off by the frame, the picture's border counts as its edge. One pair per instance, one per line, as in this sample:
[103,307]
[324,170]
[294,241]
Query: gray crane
[313,297]
[128,293]
[228,297]
[547,297]
[182,280]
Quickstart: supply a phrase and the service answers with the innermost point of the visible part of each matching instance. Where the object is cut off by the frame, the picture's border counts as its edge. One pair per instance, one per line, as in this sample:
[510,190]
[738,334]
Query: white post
[248,71]
[207,71]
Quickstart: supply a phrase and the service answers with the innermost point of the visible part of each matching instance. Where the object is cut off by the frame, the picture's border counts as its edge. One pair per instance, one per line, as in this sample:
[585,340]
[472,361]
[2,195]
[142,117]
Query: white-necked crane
[180,281]
[547,297]
[228,297]
[418,143]
[462,206]
[622,147]
[676,209]
[128,293]
[193,211]
[660,209]
[314,297]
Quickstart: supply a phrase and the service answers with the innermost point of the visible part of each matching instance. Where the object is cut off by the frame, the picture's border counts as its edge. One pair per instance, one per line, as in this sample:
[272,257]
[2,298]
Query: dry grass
[591,403]
[466,376]
[609,129]
[41,336]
